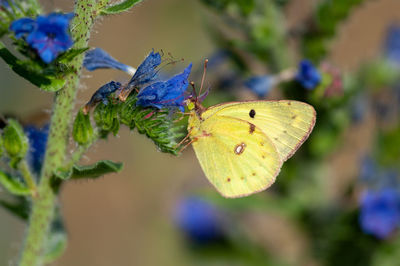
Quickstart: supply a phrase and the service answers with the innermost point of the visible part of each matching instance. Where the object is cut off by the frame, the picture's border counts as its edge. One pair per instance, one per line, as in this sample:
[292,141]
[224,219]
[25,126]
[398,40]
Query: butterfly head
[194,101]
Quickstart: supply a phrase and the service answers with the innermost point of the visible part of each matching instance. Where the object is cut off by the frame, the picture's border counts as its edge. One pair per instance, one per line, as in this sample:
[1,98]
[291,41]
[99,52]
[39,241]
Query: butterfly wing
[287,123]
[236,156]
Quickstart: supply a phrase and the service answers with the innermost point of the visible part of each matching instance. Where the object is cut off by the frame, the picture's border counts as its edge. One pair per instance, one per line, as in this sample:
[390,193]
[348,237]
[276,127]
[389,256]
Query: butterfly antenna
[194,90]
[204,75]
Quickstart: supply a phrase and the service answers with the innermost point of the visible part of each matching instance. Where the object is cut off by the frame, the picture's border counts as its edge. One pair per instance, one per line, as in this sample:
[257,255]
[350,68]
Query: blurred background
[336,201]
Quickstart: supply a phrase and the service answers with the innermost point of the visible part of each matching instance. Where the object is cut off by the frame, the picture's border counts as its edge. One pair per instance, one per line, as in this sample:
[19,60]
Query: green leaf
[90,171]
[19,208]
[83,130]
[13,186]
[120,7]
[70,54]
[45,82]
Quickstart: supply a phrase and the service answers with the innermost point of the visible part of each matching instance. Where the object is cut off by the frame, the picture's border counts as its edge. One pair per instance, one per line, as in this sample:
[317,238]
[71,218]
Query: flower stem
[28,177]
[43,204]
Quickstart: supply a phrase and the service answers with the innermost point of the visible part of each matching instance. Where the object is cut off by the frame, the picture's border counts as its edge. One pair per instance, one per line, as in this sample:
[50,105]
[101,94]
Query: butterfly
[241,146]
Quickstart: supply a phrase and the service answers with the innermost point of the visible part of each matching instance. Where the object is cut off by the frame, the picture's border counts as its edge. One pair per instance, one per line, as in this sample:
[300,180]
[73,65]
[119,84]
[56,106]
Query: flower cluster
[152,91]
[47,35]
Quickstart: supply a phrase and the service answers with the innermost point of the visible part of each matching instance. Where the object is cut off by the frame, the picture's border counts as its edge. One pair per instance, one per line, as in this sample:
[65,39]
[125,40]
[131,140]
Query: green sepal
[28,71]
[15,142]
[19,207]
[13,186]
[119,8]
[106,118]
[90,171]
[158,125]
[83,130]
[56,242]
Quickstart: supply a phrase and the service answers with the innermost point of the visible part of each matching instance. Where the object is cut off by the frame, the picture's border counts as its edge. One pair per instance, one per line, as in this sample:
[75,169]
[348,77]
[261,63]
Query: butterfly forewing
[236,156]
[287,123]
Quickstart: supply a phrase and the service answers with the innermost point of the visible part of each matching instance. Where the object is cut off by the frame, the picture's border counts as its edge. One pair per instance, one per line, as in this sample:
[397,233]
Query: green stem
[28,177]
[43,205]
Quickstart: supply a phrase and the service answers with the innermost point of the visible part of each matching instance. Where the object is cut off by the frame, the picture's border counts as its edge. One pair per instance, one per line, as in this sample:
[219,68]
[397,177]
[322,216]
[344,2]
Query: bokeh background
[130,218]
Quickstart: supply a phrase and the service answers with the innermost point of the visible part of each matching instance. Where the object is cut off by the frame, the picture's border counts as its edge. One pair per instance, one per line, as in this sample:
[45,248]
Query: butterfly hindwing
[287,123]
[236,156]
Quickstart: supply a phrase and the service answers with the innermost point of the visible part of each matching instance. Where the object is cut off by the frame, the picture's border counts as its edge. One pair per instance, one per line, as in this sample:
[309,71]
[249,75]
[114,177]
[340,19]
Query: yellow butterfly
[241,146]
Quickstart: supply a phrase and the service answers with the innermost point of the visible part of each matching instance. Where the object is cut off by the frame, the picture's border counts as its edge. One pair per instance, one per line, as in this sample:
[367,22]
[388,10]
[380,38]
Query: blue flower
[98,58]
[260,85]
[199,220]
[392,44]
[380,212]
[37,146]
[48,35]
[101,95]
[308,76]
[368,169]
[146,72]
[166,94]
[22,27]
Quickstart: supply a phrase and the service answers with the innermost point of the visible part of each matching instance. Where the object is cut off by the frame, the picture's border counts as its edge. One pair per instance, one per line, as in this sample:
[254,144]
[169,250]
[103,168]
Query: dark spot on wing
[293,117]
[239,149]
[262,143]
[252,128]
[285,131]
[252,113]
[253,174]
[228,179]
[289,103]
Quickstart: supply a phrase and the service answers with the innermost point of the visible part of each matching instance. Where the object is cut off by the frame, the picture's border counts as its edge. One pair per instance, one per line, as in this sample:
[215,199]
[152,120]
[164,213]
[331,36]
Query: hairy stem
[43,204]
[28,177]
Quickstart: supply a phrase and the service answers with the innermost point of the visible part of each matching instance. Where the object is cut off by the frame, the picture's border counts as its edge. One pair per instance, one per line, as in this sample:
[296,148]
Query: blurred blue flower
[392,44]
[146,72]
[101,95]
[166,94]
[260,85]
[380,212]
[22,27]
[308,75]
[368,169]
[199,220]
[48,35]
[37,146]
[5,4]
[98,58]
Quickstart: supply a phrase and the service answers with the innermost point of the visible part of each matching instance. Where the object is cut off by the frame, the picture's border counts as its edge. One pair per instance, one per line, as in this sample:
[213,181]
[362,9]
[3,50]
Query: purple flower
[146,72]
[166,94]
[380,212]
[22,27]
[98,58]
[37,146]
[48,35]
[308,76]
[392,44]
[260,85]
[199,220]
[101,95]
